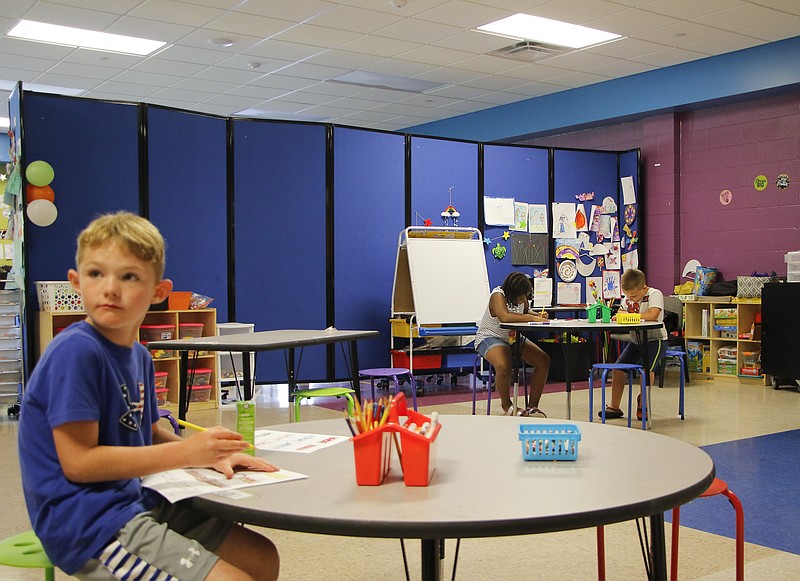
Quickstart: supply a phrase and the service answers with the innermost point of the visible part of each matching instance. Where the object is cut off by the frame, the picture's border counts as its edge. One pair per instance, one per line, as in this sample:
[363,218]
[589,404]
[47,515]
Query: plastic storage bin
[186,330]
[199,376]
[792,260]
[549,441]
[372,452]
[161,395]
[149,333]
[200,393]
[161,379]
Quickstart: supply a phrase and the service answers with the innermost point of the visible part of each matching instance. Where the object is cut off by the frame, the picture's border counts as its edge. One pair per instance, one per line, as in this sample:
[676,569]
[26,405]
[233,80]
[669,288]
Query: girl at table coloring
[649,303]
[508,303]
[89,431]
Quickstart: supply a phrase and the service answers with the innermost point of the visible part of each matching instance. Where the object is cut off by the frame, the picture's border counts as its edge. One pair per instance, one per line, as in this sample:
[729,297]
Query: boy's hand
[213,446]
[245,461]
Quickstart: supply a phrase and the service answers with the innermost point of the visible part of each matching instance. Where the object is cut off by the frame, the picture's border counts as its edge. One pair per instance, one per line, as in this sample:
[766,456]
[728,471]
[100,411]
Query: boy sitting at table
[89,431]
[649,303]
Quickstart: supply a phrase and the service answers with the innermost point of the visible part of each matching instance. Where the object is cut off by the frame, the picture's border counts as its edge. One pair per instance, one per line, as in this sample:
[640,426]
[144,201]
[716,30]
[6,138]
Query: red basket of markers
[376,428]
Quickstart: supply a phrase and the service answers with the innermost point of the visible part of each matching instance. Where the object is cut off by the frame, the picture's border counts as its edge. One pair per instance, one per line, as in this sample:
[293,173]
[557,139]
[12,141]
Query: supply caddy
[549,441]
[375,427]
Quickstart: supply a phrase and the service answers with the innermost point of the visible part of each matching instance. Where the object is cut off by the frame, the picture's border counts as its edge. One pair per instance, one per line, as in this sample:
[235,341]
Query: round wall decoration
[567,271]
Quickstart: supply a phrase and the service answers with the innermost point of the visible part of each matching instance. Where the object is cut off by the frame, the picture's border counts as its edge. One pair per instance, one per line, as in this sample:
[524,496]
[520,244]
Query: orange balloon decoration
[39,193]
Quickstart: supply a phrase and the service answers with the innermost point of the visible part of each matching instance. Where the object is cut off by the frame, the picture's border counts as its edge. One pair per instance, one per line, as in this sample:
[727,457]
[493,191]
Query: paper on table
[175,485]
[293,442]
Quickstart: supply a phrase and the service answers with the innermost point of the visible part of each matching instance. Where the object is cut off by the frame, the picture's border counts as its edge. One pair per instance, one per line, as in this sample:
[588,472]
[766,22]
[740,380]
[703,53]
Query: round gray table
[620,474]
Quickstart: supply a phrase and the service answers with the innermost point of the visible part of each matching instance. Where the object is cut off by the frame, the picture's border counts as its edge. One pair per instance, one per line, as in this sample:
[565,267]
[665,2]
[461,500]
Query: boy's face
[635,295]
[117,290]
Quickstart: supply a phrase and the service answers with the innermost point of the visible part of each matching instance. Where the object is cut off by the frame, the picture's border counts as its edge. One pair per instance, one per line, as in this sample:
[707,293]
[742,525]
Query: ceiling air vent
[528,51]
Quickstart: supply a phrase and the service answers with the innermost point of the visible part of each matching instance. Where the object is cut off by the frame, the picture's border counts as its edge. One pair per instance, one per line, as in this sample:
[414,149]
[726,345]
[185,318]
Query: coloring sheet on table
[294,442]
[175,485]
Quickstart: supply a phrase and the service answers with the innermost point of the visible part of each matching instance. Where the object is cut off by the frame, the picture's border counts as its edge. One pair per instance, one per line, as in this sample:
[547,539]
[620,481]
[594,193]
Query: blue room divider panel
[93,147]
[188,199]
[369,203]
[443,173]
[279,230]
[582,172]
[629,166]
[512,172]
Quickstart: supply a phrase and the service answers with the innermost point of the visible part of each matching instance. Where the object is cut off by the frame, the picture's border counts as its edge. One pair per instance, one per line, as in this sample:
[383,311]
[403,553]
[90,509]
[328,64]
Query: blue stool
[629,369]
[680,355]
[25,550]
[390,372]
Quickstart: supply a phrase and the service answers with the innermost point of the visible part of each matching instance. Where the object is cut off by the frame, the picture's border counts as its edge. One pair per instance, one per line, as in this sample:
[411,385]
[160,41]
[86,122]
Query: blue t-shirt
[83,376]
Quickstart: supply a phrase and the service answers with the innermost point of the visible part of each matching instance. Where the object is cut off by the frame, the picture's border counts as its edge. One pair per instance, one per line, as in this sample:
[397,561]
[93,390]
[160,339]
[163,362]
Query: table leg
[432,559]
[292,379]
[355,380]
[567,348]
[658,547]
[183,382]
[516,363]
[641,336]
[247,376]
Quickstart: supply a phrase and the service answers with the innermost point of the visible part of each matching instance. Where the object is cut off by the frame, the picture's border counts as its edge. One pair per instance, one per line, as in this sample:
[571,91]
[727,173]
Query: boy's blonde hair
[632,279]
[133,233]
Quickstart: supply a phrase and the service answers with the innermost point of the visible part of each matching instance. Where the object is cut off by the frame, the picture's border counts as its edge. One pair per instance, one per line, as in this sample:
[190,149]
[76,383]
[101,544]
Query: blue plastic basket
[549,441]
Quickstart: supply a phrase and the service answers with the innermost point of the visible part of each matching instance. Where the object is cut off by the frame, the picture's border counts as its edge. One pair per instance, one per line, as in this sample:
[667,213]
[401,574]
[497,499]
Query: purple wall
[687,160]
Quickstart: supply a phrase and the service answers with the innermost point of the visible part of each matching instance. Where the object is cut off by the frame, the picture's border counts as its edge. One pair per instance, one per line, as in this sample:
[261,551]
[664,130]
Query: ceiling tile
[724,43]
[741,16]
[464,14]
[81,70]
[422,31]
[277,49]
[316,35]
[132,91]
[669,57]
[631,22]
[786,28]
[295,10]
[577,11]
[176,12]
[145,78]
[70,16]
[689,9]
[354,19]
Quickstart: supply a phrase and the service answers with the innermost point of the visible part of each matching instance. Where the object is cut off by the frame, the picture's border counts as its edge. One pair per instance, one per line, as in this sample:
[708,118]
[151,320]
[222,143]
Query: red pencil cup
[419,451]
[398,408]
[373,456]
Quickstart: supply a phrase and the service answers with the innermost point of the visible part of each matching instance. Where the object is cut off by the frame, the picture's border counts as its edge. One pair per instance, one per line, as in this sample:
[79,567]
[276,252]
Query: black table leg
[567,349]
[355,379]
[292,380]
[183,383]
[247,376]
[641,336]
[658,547]
[432,559]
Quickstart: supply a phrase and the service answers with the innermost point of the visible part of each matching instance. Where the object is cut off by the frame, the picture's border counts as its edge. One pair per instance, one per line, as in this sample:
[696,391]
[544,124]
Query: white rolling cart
[10,348]
[230,365]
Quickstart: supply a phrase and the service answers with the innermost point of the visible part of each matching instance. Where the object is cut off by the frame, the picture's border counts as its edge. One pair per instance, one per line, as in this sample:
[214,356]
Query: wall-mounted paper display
[537,218]
[529,249]
[498,211]
[564,220]
[628,190]
[611,288]
[542,292]
[630,260]
[592,294]
[581,223]
[569,293]
[520,217]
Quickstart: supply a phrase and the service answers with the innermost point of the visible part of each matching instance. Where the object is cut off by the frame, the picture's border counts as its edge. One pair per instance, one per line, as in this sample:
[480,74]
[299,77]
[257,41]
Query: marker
[434,422]
[197,428]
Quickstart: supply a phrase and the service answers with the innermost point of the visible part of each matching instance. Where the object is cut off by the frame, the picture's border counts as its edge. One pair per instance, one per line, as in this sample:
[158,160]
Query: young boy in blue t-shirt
[89,431]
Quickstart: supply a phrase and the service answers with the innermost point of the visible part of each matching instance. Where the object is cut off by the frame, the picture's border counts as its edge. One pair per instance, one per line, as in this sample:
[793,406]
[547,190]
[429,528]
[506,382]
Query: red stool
[717,487]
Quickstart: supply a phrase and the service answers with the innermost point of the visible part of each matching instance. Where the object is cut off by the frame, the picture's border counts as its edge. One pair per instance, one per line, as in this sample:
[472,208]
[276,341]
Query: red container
[373,456]
[430,361]
[419,451]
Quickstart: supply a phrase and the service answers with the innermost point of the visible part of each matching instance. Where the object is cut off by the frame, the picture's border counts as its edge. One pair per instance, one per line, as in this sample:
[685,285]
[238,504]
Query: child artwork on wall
[630,260]
[569,293]
[498,211]
[520,217]
[611,288]
[613,259]
[537,218]
[564,220]
[598,284]
[529,249]
[594,219]
[581,223]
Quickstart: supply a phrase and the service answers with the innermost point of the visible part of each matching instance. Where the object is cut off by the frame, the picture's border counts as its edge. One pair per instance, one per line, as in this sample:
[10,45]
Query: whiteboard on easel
[448,277]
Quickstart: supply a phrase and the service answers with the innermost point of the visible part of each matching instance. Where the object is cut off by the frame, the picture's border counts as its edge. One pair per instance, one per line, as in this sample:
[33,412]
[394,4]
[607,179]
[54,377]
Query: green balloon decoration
[39,173]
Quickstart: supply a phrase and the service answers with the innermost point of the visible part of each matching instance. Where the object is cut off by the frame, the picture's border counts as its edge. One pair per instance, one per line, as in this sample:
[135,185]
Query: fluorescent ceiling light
[527,27]
[10,85]
[381,81]
[78,37]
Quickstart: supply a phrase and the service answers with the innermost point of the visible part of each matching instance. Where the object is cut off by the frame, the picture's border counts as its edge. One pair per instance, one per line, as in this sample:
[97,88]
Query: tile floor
[715,412]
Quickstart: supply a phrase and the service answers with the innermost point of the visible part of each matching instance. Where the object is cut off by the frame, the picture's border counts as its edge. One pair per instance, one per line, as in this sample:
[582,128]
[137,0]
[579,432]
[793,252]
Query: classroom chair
[167,415]
[629,369]
[479,373]
[393,373]
[25,550]
[301,394]
[717,487]
[679,354]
